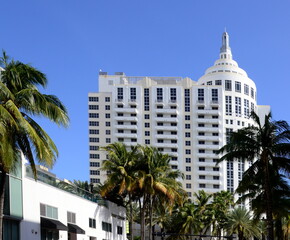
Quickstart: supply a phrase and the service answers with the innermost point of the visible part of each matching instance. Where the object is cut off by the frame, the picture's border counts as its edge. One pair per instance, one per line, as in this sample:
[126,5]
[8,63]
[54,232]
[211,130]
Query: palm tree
[121,180]
[269,145]
[220,206]
[240,222]
[20,100]
[157,183]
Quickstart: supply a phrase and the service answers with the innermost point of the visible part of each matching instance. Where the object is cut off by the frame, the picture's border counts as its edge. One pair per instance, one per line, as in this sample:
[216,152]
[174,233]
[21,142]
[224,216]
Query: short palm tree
[240,222]
[20,100]
[269,146]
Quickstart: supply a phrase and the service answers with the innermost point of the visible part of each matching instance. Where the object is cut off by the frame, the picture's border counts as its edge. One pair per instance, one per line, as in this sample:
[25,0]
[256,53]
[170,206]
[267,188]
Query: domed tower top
[225,51]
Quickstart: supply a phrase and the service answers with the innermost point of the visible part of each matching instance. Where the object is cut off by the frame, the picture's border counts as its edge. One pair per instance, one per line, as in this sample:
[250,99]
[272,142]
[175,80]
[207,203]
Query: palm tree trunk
[150,217]
[131,218]
[2,197]
[268,192]
[142,216]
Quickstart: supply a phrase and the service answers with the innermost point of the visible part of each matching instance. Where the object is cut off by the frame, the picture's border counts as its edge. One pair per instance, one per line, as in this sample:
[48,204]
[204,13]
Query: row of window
[97,140]
[188,169]
[96,99]
[107,227]
[96,107]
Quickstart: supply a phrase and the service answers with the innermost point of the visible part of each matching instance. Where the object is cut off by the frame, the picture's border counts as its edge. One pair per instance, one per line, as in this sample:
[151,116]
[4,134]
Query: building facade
[189,120]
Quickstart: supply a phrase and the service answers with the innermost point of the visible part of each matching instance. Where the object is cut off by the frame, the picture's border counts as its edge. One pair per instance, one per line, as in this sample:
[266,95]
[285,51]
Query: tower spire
[225,51]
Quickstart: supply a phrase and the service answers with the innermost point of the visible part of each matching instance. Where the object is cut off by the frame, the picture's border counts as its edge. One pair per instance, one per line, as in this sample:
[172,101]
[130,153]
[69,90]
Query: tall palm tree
[269,146]
[240,222]
[121,181]
[157,183]
[20,100]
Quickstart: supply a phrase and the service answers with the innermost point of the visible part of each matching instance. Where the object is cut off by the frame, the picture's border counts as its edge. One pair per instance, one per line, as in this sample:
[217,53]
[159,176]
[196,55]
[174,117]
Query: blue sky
[71,40]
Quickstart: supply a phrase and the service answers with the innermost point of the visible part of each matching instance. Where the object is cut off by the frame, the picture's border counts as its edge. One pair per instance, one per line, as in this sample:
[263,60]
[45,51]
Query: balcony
[130,143]
[209,138]
[134,127]
[206,164]
[209,181]
[129,119]
[208,129]
[165,136]
[126,135]
[173,102]
[167,119]
[132,101]
[214,103]
[159,102]
[166,128]
[208,120]
[209,146]
[207,155]
[166,145]
[126,110]
[166,110]
[208,112]
[119,101]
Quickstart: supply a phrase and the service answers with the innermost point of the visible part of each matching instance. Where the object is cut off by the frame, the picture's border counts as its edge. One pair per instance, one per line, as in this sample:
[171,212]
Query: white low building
[52,210]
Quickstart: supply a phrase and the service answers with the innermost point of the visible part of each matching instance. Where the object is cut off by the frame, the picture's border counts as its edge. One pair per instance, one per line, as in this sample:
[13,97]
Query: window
[94,164]
[187,126]
[93,99]
[188,160]
[173,149]
[146,99]
[216,169]
[187,134]
[187,143]
[215,125]
[94,156]
[95,180]
[215,134]
[160,124]
[93,115]
[252,92]
[201,176]
[159,94]
[173,158]
[200,116]
[120,94]
[94,139]
[173,115]
[238,106]
[94,107]
[228,105]
[187,169]
[216,177]
[201,142]
[92,223]
[107,107]
[147,141]
[188,177]
[246,108]
[201,125]
[215,116]
[201,150]
[108,140]
[214,95]
[133,94]
[186,100]
[187,151]
[108,115]
[160,140]
[187,117]
[201,159]
[93,131]
[147,116]
[216,186]
[188,185]
[93,123]
[94,172]
[173,141]
[174,166]
[200,95]
[94,148]
[107,227]
[133,140]
[218,82]
[201,168]
[107,99]
[228,85]
[201,133]
[119,230]
[209,83]
[108,124]
[159,115]
[120,106]
[238,86]
[147,133]
[120,123]
[147,125]
[108,132]
[71,217]
[202,185]
[172,94]
[48,211]
[246,89]
[120,131]
[173,133]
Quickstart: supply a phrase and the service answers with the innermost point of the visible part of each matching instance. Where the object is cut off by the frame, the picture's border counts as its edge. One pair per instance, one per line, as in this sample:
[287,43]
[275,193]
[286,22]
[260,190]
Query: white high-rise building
[184,118]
